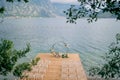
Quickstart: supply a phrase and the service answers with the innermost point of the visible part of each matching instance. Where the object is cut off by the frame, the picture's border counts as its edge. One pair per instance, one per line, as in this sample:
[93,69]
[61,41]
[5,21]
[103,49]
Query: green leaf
[2,9]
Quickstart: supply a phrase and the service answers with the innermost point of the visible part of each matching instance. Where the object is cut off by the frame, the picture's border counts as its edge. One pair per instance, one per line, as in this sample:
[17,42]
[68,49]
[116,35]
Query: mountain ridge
[36,8]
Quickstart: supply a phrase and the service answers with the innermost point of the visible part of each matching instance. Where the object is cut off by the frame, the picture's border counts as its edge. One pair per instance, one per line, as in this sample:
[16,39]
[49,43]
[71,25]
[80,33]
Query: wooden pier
[61,68]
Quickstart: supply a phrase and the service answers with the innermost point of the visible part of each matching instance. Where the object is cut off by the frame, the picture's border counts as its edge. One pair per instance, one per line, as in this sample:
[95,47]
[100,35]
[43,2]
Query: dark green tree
[20,68]
[111,67]
[91,9]
[9,57]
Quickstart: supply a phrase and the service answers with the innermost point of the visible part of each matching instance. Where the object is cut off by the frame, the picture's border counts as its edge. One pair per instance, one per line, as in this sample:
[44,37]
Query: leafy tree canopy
[20,68]
[91,9]
[111,67]
[9,56]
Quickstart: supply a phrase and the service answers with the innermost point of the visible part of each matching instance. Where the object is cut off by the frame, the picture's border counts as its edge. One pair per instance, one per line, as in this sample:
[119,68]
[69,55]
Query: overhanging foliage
[91,9]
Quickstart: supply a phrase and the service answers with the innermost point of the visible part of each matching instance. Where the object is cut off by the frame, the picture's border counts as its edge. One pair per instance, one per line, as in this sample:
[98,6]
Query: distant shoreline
[49,17]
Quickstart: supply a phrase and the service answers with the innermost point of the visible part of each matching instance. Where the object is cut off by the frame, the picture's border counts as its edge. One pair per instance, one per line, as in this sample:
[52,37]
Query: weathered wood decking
[54,71]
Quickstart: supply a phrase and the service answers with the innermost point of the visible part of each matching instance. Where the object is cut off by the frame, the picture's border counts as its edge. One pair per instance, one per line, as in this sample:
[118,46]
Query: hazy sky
[65,1]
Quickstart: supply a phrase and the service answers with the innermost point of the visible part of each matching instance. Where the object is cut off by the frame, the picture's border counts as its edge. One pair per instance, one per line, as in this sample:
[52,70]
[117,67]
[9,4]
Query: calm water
[89,40]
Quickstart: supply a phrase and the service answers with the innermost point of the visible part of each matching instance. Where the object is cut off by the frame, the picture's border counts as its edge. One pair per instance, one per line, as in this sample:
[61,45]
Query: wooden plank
[54,70]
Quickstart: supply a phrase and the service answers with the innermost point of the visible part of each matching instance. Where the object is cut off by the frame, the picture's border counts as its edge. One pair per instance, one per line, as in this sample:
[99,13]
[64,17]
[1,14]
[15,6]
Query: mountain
[39,8]
[105,15]
[60,7]
[34,8]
